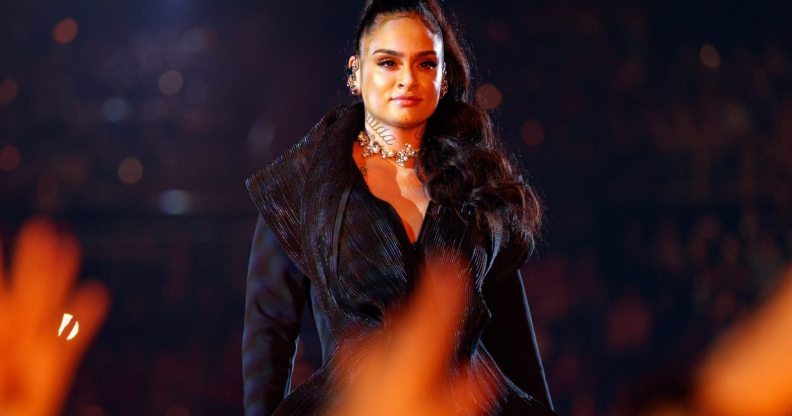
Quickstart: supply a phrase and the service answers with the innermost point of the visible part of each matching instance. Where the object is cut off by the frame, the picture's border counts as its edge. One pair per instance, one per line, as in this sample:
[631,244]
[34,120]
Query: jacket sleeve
[274,299]
[509,337]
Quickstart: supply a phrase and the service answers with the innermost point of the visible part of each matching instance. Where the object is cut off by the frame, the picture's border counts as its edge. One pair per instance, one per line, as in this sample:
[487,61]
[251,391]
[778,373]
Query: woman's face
[400,72]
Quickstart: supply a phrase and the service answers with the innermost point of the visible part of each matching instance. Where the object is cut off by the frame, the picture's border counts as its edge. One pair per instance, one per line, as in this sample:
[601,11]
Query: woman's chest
[397,186]
[378,264]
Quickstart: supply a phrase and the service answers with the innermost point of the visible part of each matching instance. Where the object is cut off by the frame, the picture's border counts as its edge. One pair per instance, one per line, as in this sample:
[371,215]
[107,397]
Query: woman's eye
[429,65]
[388,63]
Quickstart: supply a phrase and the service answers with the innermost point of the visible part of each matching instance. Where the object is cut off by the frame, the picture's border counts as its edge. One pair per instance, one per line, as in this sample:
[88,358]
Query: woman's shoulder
[290,167]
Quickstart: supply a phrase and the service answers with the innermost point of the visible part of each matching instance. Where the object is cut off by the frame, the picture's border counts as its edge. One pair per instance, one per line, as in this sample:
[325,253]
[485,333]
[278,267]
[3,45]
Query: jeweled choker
[372,147]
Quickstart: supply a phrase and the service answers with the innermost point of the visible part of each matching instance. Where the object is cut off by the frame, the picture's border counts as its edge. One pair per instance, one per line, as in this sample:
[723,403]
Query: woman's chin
[409,119]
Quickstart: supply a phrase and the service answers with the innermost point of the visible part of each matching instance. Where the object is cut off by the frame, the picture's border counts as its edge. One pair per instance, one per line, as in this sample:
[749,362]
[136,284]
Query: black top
[350,260]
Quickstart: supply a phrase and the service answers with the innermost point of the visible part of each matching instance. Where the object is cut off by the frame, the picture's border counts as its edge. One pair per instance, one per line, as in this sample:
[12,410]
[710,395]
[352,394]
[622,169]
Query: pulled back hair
[462,162]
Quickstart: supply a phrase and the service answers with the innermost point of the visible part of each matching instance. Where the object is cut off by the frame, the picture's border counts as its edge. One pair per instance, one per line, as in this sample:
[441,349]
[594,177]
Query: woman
[372,192]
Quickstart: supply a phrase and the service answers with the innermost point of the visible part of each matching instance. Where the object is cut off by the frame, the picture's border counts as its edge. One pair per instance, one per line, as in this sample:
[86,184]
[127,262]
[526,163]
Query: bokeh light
[115,109]
[8,91]
[488,96]
[171,82]
[532,133]
[709,56]
[175,202]
[130,170]
[9,158]
[65,31]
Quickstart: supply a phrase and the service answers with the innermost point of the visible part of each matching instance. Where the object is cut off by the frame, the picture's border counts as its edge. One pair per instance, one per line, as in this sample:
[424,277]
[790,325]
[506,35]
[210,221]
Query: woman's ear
[353,75]
[353,65]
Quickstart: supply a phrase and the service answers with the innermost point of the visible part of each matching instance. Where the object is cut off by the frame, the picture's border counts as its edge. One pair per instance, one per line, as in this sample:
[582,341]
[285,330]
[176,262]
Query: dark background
[659,135]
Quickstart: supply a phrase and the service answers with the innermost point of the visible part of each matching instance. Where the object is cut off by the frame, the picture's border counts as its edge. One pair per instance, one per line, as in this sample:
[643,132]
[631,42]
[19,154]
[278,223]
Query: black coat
[351,260]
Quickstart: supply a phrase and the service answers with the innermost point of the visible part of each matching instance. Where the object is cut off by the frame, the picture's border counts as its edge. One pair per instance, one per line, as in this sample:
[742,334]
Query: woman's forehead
[401,33]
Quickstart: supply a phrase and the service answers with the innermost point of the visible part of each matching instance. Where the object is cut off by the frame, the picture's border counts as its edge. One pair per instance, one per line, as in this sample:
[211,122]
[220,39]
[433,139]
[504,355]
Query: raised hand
[403,369]
[36,363]
[749,372]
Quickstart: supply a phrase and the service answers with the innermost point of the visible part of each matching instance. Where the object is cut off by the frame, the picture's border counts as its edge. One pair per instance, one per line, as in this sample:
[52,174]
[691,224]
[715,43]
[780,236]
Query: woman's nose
[406,78]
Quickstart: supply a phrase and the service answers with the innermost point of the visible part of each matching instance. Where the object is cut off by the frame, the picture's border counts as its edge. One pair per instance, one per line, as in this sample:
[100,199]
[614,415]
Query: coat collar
[328,182]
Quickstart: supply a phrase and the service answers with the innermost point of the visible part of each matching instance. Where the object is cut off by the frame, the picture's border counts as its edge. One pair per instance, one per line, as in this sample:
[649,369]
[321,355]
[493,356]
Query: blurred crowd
[659,135]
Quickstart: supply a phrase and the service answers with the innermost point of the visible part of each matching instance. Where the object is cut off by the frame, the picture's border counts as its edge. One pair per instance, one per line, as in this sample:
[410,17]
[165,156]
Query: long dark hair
[462,162]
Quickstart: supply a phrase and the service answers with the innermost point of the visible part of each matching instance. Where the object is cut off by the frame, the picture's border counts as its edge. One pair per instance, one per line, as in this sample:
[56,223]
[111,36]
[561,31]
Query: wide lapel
[328,178]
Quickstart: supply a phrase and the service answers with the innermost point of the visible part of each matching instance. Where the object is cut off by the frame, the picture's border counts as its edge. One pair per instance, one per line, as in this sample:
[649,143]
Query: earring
[352,80]
[444,84]
[353,88]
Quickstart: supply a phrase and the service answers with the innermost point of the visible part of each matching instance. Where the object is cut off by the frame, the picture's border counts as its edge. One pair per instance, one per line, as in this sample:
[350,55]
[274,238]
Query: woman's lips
[407,100]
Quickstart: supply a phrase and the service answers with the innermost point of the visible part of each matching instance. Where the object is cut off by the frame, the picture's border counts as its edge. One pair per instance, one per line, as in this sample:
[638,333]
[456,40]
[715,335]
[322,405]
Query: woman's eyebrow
[400,55]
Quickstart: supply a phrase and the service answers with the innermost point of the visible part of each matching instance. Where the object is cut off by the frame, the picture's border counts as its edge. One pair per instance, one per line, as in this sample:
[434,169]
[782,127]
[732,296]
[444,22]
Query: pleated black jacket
[349,259]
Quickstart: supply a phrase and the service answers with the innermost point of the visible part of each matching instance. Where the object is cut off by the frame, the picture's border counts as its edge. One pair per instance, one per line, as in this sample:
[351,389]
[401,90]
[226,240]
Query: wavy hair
[462,162]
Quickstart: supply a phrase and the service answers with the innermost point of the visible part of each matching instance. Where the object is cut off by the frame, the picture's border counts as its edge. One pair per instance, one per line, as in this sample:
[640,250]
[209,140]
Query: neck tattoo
[382,131]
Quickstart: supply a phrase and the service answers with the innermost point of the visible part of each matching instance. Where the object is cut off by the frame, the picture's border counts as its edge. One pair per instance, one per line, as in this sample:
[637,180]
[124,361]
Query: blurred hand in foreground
[39,354]
[403,369]
[749,372]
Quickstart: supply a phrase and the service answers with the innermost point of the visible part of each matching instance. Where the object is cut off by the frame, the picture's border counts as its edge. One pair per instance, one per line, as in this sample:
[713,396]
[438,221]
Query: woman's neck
[394,138]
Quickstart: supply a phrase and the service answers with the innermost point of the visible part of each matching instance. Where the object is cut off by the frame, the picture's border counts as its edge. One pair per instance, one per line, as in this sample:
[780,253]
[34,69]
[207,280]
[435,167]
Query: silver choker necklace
[372,147]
